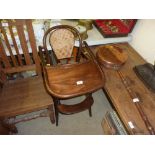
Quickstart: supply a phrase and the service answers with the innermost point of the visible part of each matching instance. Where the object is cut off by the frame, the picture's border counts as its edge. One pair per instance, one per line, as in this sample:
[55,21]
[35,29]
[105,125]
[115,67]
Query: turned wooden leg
[56,102]
[90,112]
[4,130]
[91,100]
[11,128]
[51,113]
[56,116]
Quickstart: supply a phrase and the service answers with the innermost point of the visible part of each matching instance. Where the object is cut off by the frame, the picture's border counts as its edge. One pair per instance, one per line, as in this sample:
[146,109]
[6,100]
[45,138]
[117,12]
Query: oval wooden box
[111,56]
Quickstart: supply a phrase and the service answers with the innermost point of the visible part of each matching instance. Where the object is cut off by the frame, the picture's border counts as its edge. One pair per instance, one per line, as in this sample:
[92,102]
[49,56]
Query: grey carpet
[76,124]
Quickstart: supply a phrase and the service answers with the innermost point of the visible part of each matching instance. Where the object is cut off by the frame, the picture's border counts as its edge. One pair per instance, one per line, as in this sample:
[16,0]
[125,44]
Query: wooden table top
[120,98]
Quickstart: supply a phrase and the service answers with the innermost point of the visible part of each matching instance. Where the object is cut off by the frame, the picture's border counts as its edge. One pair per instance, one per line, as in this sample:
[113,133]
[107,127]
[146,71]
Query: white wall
[144,39]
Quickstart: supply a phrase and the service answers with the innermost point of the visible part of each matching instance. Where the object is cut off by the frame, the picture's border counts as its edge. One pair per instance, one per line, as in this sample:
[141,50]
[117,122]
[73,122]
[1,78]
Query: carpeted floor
[76,124]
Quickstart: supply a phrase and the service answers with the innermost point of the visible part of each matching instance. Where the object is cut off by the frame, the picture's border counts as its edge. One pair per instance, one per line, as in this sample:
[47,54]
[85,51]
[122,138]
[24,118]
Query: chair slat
[15,44]
[2,74]
[20,30]
[20,68]
[33,45]
[3,55]
[31,61]
[8,45]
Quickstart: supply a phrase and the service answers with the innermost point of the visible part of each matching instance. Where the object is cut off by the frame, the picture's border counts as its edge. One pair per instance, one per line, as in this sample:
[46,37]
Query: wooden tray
[115,27]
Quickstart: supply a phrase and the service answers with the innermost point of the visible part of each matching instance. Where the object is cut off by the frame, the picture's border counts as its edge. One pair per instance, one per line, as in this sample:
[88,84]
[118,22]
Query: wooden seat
[20,96]
[69,79]
[18,53]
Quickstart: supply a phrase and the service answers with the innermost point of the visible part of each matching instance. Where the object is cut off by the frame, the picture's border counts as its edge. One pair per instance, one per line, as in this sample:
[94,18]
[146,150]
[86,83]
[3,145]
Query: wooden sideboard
[119,97]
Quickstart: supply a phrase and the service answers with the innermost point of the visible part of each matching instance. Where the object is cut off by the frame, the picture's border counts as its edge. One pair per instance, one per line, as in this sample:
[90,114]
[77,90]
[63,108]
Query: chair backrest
[61,38]
[18,49]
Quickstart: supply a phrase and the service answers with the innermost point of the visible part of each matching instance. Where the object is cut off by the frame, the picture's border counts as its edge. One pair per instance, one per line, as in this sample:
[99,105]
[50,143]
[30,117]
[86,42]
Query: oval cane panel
[62,42]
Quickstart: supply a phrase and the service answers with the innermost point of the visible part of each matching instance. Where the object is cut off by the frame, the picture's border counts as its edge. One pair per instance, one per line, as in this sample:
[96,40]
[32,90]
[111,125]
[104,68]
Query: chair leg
[90,112]
[56,116]
[10,127]
[51,113]
[56,102]
[70,109]
[91,98]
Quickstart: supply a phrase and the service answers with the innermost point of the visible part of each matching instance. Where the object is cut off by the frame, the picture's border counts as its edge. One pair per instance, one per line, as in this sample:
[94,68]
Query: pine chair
[68,74]
[18,53]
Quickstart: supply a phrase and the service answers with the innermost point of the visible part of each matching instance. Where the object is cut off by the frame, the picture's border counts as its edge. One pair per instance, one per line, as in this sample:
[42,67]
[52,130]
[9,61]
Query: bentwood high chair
[71,75]
[18,53]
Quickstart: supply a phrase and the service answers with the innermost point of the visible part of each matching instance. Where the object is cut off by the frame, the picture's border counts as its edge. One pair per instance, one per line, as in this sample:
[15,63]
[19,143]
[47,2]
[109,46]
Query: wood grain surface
[120,98]
[111,56]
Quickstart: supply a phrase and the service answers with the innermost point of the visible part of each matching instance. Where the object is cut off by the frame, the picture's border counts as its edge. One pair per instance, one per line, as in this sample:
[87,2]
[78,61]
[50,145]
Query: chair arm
[89,54]
[42,55]
[45,56]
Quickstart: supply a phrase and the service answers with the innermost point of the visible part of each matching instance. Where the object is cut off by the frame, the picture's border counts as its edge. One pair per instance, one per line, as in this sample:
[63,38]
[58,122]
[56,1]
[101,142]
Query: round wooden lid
[111,56]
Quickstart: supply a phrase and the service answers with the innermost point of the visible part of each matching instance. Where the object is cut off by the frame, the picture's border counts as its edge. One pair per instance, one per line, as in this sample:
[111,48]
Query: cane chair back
[62,41]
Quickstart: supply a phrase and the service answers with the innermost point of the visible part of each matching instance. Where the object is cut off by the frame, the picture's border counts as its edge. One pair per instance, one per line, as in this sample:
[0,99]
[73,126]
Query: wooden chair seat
[63,80]
[23,96]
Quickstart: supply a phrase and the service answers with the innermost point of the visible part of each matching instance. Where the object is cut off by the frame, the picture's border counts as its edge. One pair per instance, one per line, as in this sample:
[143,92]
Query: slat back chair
[18,53]
[65,81]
